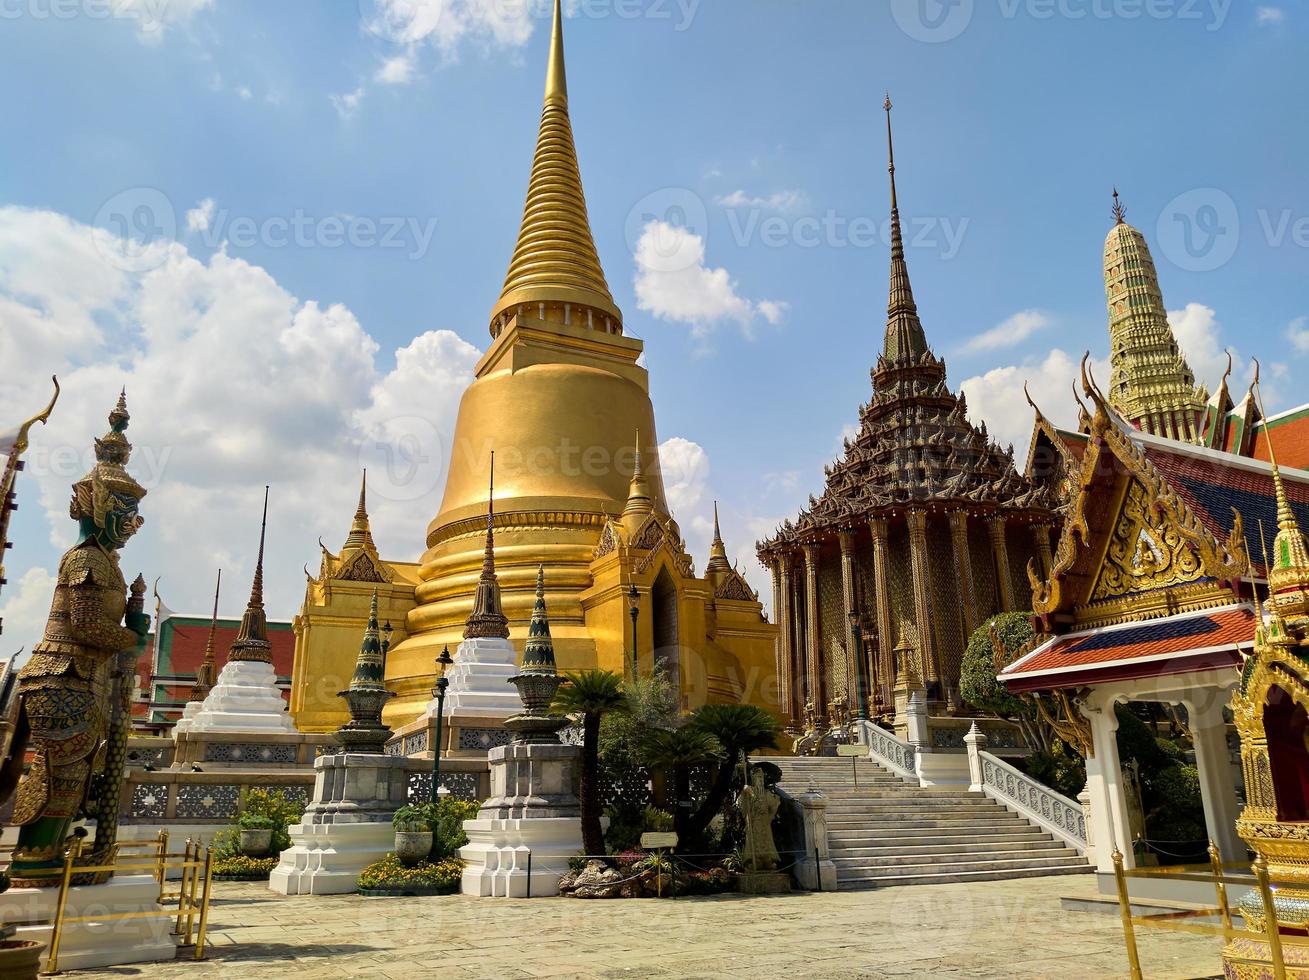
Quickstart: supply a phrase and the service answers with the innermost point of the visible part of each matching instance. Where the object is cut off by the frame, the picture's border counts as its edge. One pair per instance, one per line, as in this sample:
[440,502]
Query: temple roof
[555,260]
[1189,641]
[915,444]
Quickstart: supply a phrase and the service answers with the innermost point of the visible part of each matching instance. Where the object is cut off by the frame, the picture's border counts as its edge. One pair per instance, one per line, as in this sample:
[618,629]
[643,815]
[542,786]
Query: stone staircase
[888,831]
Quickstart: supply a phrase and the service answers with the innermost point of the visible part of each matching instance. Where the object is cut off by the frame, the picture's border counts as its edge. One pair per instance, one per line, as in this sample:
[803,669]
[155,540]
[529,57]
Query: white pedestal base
[86,945]
[496,856]
[479,682]
[245,699]
[326,859]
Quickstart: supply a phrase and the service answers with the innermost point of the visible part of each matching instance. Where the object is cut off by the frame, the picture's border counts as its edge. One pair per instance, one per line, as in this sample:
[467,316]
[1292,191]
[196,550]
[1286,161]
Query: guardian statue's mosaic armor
[65,692]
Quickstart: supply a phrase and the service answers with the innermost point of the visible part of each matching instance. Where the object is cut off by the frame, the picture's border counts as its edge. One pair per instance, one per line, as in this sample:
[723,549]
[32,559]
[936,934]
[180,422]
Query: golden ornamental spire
[361,533]
[487,618]
[717,550]
[1150,383]
[1288,574]
[639,500]
[204,675]
[555,264]
[904,331]
[251,641]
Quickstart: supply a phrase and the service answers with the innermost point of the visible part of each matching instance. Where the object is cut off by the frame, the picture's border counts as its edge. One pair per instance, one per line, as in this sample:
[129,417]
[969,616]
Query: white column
[1217,778]
[976,742]
[1110,827]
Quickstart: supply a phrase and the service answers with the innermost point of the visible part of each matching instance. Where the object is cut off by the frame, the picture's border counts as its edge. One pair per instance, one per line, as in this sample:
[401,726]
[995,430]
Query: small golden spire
[361,534]
[555,263]
[487,618]
[1288,575]
[204,676]
[639,500]
[251,641]
[718,561]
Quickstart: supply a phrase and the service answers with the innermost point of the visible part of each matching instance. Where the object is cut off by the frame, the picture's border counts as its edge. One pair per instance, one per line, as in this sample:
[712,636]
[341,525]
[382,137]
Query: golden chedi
[561,401]
[1271,712]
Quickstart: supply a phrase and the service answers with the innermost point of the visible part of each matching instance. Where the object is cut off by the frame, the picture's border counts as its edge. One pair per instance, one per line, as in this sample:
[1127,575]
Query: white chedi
[479,681]
[245,699]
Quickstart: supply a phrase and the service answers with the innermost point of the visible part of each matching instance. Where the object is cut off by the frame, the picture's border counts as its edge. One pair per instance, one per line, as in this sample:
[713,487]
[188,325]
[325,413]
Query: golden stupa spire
[717,550]
[487,618]
[361,533]
[639,500]
[1150,383]
[1288,575]
[904,331]
[204,676]
[251,641]
[555,264]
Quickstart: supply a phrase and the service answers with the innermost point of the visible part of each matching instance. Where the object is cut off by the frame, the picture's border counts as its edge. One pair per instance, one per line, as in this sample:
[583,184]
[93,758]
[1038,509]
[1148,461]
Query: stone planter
[20,959]
[256,843]
[412,846]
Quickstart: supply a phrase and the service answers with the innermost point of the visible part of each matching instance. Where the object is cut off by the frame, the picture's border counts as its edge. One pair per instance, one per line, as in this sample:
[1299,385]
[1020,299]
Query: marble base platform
[345,828]
[479,682]
[245,698]
[87,945]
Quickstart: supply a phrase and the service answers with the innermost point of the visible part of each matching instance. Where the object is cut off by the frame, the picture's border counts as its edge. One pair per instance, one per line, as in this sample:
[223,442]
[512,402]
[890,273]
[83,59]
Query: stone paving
[991,929]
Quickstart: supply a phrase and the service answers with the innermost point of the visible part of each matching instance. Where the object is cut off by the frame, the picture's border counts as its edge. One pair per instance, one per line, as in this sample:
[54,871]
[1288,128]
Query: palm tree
[740,729]
[591,694]
[678,750]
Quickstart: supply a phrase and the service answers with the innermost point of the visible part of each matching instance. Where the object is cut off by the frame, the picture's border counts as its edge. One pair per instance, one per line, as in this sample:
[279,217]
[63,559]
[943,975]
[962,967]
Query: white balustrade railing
[1029,798]
[891,752]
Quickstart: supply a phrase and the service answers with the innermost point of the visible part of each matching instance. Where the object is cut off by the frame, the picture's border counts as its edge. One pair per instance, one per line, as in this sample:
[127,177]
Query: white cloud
[24,611]
[199,217]
[779,201]
[1010,333]
[232,383]
[685,468]
[1297,332]
[996,397]
[244,93]
[396,71]
[1198,331]
[155,18]
[1269,15]
[673,283]
[348,103]
[445,24]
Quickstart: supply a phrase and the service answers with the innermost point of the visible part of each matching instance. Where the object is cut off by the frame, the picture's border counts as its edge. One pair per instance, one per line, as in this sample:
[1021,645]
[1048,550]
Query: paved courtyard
[995,929]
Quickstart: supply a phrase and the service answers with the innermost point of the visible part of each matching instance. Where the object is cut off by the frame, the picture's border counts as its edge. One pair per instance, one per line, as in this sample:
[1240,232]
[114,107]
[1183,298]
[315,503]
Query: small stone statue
[759,805]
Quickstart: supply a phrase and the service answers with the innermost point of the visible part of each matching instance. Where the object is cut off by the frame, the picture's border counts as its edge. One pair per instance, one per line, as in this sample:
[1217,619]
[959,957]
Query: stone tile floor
[986,929]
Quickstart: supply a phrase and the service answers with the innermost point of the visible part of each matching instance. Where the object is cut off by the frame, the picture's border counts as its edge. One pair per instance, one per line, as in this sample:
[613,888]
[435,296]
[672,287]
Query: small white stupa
[480,688]
[245,697]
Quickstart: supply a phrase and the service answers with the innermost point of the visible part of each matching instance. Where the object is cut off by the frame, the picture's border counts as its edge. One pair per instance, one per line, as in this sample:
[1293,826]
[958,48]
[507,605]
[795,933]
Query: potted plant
[256,834]
[413,833]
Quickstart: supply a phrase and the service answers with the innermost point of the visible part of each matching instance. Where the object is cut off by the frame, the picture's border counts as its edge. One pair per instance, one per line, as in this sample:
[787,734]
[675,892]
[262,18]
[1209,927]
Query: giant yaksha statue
[65,695]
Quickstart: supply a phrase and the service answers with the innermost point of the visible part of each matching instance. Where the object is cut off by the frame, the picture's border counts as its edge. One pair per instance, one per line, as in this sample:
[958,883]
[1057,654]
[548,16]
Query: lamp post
[442,662]
[861,706]
[634,604]
[387,630]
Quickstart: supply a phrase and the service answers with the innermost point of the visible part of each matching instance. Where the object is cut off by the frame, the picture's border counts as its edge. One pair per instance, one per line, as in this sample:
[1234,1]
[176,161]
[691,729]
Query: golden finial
[890,150]
[556,76]
[1120,212]
[639,500]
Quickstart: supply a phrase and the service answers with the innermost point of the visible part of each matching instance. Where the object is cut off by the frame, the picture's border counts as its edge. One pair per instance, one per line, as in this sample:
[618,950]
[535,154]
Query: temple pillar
[857,690]
[1041,538]
[1213,761]
[964,571]
[995,527]
[785,636]
[813,641]
[885,679]
[922,575]
[799,676]
[1110,826]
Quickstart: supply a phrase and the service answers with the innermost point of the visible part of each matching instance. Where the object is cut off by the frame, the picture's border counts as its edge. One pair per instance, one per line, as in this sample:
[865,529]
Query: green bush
[416,818]
[1060,768]
[242,868]
[448,826]
[656,820]
[255,821]
[977,683]
[277,807]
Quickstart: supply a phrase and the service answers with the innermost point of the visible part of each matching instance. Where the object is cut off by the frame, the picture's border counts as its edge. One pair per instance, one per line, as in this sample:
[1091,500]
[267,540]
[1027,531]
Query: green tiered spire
[364,732]
[538,680]
[539,654]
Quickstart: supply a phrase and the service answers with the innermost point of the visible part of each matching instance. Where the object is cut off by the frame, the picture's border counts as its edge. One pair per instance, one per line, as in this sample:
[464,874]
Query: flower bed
[238,867]
[388,877]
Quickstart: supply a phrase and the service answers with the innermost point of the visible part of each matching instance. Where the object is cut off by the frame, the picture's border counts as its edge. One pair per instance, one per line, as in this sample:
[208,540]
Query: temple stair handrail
[1028,797]
[892,752]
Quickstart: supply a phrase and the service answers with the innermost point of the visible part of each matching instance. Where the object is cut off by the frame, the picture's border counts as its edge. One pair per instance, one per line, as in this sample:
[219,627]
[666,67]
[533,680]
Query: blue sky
[754,130]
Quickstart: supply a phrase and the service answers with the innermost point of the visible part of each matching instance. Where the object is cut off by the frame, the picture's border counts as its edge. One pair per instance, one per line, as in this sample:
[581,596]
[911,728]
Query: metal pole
[636,672]
[529,873]
[204,904]
[436,754]
[1125,909]
[57,933]
[861,706]
[1220,886]
[1271,929]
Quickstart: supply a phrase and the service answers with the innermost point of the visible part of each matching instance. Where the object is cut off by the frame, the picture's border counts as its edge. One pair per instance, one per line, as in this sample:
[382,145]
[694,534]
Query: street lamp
[387,630]
[438,691]
[634,603]
[861,706]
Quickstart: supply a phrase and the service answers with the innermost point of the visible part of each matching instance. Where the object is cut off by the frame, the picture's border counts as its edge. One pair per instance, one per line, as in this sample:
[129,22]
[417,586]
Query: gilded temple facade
[923,531]
[560,399]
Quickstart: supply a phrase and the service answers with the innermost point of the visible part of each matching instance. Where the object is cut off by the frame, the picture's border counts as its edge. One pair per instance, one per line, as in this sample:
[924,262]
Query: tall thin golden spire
[904,331]
[718,561]
[639,499]
[1288,575]
[555,264]
[487,618]
[361,533]
[204,676]
[251,641]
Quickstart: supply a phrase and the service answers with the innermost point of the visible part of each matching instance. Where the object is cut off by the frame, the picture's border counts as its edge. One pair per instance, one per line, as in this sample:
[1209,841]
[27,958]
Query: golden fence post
[181,888]
[190,897]
[57,933]
[1270,918]
[1125,908]
[204,903]
[1220,886]
[161,851]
